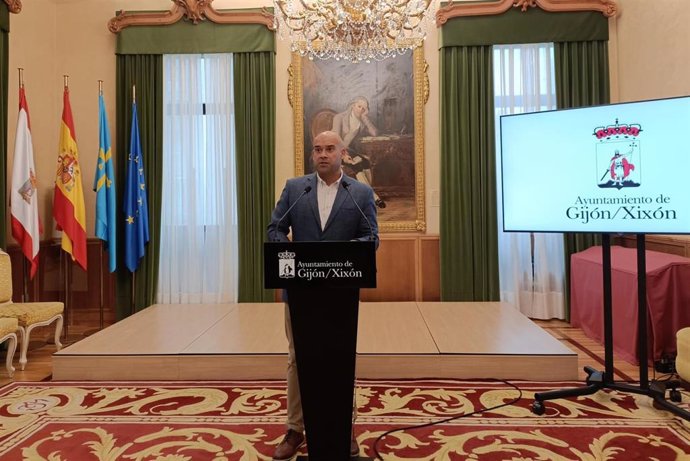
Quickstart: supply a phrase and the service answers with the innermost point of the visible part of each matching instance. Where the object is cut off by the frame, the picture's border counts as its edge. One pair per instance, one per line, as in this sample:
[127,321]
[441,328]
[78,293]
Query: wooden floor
[247,341]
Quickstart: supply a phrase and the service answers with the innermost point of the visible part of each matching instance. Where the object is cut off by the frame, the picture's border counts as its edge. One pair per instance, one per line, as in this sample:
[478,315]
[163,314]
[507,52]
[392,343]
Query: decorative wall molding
[192,10]
[15,6]
[608,8]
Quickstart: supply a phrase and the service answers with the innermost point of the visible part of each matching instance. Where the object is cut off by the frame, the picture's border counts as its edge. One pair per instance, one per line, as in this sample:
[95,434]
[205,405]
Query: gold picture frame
[395,91]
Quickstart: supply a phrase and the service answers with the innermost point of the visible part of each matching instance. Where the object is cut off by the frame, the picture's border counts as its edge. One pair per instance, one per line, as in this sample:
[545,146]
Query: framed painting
[378,110]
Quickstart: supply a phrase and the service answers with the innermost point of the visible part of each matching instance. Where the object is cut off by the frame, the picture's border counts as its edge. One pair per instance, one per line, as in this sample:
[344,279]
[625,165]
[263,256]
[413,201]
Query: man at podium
[323,206]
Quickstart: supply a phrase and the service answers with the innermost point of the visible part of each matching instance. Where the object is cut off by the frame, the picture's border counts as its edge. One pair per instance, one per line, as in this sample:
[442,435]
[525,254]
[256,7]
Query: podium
[322,280]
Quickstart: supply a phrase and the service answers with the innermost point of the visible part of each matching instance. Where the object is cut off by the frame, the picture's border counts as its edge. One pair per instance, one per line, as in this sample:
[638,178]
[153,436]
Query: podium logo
[618,155]
[286,265]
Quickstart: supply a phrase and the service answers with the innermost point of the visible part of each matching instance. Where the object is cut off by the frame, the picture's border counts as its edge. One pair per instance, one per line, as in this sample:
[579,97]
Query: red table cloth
[668,299]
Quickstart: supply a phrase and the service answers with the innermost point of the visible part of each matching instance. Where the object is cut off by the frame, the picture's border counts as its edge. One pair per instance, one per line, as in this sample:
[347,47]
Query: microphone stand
[346,186]
[304,192]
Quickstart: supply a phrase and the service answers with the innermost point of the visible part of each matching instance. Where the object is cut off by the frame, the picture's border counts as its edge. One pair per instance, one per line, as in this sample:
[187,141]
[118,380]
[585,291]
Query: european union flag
[104,185]
[135,206]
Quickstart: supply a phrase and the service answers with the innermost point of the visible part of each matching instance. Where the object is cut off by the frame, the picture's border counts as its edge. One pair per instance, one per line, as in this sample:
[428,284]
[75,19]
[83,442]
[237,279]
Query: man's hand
[370,126]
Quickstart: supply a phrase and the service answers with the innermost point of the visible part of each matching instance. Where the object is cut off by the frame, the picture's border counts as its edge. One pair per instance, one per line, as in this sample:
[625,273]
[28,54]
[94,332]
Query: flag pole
[25,288]
[67,266]
[101,307]
[133,293]
[134,280]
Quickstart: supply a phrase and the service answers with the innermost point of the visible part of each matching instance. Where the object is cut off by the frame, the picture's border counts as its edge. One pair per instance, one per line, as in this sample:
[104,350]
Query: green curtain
[468,227]
[469,261]
[140,51]
[4,77]
[146,72]
[582,79]
[255,106]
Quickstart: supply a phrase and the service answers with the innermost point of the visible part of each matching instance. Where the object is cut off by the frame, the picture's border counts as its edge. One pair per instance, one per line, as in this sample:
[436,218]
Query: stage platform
[247,341]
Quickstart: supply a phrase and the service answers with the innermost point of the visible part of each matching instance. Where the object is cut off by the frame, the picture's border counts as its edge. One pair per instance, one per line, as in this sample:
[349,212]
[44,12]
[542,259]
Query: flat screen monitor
[618,168]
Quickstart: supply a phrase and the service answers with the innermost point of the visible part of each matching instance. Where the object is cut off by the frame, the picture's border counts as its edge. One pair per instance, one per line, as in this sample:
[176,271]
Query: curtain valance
[531,26]
[184,37]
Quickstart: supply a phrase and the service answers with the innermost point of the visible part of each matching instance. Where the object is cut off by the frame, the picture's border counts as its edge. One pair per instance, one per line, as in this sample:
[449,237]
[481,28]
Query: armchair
[28,315]
[8,332]
[683,357]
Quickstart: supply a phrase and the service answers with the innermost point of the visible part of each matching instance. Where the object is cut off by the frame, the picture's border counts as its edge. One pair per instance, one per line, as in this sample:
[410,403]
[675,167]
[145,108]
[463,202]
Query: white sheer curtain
[198,262]
[531,265]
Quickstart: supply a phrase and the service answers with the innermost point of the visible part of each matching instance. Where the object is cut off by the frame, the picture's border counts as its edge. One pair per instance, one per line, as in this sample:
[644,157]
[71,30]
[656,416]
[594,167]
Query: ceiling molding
[192,10]
[608,8]
[15,6]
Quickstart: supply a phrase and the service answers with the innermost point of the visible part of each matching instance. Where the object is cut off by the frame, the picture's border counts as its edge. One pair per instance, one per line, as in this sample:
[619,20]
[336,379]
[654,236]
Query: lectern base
[354,458]
[324,308]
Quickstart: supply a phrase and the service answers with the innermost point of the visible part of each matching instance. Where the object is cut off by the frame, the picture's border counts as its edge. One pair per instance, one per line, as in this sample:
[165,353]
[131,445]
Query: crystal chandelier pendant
[353,30]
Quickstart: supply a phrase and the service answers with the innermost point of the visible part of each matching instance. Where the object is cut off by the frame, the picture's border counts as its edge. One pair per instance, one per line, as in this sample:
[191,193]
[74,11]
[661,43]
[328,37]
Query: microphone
[304,192]
[346,186]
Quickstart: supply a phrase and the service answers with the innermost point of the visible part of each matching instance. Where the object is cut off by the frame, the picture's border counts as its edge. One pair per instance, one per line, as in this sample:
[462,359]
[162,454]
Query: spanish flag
[68,201]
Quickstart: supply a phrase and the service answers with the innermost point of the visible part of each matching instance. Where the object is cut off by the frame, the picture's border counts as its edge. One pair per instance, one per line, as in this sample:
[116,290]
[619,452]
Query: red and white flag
[26,226]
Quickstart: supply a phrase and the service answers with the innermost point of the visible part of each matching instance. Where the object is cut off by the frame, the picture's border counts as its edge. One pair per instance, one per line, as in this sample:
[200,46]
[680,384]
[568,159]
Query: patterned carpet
[223,421]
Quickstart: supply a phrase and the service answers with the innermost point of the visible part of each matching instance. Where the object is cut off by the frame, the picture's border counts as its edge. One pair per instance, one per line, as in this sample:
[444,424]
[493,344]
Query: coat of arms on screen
[286,265]
[618,155]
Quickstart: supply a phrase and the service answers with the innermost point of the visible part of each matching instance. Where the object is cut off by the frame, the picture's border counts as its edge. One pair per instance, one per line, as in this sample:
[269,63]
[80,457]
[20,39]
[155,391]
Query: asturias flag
[104,185]
[26,226]
[68,200]
[135,206]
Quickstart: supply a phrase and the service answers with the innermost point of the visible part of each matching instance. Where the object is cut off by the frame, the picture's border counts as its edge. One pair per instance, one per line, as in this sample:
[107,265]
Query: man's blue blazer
[344,223]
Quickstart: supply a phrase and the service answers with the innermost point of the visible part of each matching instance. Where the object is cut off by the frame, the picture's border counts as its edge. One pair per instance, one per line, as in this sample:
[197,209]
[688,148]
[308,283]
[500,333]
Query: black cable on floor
[377,455]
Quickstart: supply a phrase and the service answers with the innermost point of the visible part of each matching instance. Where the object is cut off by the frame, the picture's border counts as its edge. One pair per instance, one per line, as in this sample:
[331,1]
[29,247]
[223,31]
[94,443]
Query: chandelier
[354,30]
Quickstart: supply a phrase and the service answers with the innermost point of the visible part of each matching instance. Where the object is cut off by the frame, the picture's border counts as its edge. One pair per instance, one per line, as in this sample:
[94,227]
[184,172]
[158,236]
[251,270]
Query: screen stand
[597,380]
